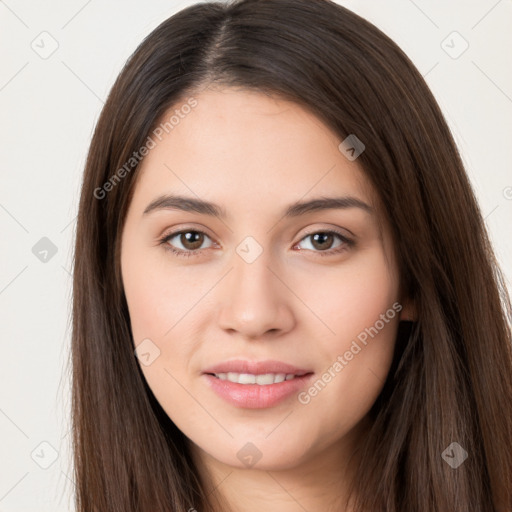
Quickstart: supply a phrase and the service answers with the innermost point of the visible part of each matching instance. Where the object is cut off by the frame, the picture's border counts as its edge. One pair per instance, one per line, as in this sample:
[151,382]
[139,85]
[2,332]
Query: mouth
[247,369]
[264,379]
[256,385]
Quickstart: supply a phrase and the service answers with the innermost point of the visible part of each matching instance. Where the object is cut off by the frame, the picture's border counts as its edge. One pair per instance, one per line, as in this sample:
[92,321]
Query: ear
[408,312]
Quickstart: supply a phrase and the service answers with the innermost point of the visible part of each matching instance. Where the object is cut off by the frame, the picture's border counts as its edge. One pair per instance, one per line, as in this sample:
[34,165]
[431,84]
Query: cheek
[158,303]
[350,298]
[161,304]
[360,307]
[157,298]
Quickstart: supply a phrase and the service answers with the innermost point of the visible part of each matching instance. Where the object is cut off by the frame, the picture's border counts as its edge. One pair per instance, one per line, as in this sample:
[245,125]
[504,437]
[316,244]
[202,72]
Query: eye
[190,239]
[322,242]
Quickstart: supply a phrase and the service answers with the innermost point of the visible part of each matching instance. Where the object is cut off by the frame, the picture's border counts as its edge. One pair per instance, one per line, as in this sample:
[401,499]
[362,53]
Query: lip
[255,396]
[255,367]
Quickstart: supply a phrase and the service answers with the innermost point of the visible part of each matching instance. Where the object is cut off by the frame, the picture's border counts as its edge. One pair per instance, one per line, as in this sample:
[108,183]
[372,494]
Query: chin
[261,456]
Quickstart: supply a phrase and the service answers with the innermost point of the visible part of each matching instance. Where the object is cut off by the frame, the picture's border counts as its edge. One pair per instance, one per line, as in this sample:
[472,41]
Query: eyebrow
[190,204]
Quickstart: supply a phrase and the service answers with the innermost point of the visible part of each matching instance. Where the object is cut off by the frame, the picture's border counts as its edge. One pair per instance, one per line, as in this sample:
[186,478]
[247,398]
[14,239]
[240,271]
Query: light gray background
[49,108]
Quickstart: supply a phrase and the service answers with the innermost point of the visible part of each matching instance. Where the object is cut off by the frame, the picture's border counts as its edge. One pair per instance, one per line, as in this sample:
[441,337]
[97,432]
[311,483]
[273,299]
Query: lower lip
[254,396]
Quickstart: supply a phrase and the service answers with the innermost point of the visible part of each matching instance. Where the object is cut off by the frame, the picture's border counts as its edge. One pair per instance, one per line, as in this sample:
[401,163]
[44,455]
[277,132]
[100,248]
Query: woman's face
[274,288]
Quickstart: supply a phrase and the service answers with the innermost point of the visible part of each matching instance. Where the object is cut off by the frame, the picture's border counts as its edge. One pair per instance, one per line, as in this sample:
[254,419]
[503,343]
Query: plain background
[50,104]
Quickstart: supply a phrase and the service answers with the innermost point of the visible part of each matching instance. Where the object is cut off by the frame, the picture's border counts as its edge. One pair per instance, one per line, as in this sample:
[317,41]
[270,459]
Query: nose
[255,301]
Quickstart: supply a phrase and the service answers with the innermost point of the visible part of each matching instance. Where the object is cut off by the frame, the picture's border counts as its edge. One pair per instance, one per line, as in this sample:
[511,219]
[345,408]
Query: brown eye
[323,242]
[190,241]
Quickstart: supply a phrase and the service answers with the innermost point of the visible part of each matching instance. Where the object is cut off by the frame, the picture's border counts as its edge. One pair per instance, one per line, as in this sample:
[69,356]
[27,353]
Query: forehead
[248,149]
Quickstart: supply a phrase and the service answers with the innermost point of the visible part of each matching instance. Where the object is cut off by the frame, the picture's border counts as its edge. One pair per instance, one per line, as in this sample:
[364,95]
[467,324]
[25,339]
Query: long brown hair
[451,380]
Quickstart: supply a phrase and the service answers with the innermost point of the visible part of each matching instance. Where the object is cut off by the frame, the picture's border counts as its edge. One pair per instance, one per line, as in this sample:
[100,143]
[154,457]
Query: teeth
[249,378]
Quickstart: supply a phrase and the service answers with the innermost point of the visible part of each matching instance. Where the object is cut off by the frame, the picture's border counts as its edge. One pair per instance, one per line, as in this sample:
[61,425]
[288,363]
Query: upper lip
[255,367]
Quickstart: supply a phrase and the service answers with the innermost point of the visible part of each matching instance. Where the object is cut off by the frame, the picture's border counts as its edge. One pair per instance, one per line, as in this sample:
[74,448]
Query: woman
[225,357]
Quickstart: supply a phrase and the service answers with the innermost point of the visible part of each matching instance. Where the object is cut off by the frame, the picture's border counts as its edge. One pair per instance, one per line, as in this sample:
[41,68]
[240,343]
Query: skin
[254,155]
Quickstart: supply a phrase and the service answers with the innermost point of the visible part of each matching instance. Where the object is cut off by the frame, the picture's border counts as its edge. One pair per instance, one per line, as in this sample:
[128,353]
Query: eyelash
[187,254]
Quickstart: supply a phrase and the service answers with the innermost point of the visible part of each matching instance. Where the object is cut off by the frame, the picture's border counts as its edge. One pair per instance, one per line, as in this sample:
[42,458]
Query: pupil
[321,236]
[194,238]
